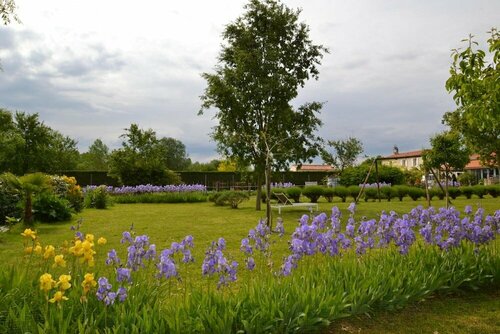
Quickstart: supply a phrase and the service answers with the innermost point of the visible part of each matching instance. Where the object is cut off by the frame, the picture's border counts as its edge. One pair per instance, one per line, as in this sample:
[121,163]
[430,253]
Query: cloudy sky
[91,68]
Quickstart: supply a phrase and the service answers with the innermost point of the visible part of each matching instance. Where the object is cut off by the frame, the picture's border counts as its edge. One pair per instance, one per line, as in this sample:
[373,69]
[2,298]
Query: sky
[91,68]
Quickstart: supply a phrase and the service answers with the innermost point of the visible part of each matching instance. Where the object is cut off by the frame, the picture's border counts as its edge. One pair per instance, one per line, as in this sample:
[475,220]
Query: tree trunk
[268,197]
[28,212]
[259,191]
[446,187]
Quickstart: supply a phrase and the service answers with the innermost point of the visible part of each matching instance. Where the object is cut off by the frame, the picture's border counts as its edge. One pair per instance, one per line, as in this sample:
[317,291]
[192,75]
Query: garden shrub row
[187,197]
[314,193]
[229,197]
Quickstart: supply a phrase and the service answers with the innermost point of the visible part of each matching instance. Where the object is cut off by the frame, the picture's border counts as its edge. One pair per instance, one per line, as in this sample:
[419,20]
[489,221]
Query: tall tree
[96,158]
[141,159]
[28,145]
[173,153]
[475,84]
[447,153]
[266,57]
[346,153]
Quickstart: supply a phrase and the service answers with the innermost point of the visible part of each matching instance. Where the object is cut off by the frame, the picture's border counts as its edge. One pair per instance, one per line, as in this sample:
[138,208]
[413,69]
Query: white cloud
[90,68]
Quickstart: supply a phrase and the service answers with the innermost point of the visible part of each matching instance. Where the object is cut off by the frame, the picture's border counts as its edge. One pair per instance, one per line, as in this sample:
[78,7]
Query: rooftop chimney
[395,150]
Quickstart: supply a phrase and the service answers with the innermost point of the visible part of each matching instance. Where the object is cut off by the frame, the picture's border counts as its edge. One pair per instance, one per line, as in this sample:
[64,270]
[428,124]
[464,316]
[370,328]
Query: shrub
[341,191]
[454,192]
[370,193]
[388,193]
[97,198]
[415,193]
[49,207]
[356,175]
[401,191]
[467,191]
[294,193]
[66,187]
[9,199]
[328,194]
[467,179]
[479,190]
[353,191]
[313,193]
[493,190]
[233,198]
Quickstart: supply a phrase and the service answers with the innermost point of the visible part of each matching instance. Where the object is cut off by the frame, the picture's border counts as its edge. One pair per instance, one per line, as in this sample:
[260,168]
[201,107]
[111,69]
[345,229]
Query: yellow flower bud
[102,241]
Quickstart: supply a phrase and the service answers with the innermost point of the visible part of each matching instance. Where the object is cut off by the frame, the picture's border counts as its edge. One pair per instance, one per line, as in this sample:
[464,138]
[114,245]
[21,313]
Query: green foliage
[313,193]
[346,152]
[467,179]
[204,167]
[8,11]
[356,175]
[97,157]
[415,193]
[389,193]
[97,198]
[475,84]
[413,177]
[342,192]
[479,190]
[143,159]
[401,191]
[9,199]
[66,187]
[266,57]
[370,193]
[493,190]
[353,191]
[231,198]
[328,194]
[28,145]
[50,208]
[187,197]
[467,191]
[454,192]
[294,193]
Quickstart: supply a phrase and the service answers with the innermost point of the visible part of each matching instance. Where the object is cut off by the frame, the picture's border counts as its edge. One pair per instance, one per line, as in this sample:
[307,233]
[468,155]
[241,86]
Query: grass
[165,223]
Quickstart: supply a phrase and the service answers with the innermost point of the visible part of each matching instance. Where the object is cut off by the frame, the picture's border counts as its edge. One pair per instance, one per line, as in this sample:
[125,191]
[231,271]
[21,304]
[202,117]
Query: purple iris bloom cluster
[258,239]
[280,227]
[216,263]
[139,249]
[148,188]
[166,264]
[107,295]
[446,229]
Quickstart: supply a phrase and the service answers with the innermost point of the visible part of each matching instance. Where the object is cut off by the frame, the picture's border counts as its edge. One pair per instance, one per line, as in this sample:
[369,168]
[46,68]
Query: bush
[356,175]
[401,191]
[467,191]
[493,190]
[233,198]
[9,199]
[370,193]
[467,179]
[49,207]
[137,175]
[294,193]
[388,193]
[66,187]
[97,198]
[353,191]
[341,191]
[415,193]
[454,192]
[313,193]
[479,190]
[328,194]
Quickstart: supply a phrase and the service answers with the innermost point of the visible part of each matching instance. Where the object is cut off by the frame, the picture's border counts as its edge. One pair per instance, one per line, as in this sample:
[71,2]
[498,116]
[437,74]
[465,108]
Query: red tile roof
[315,168]
[404,155]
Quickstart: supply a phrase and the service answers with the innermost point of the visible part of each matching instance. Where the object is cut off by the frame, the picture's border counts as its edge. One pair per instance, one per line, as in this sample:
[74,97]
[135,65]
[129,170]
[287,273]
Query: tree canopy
[96,158]
[346,153]
[266,57]
[475,84]
[8,11]
[28,145]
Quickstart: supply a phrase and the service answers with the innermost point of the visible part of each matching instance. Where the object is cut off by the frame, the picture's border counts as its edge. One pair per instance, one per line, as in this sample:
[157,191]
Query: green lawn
[165,223]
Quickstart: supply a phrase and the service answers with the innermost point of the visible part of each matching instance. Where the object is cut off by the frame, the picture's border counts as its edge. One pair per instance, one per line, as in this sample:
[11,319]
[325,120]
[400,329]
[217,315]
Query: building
[404,160]
[483,174]
[312,168]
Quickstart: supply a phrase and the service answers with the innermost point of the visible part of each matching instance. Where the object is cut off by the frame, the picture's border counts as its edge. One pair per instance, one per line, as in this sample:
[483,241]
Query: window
[415,162]
[403,162]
